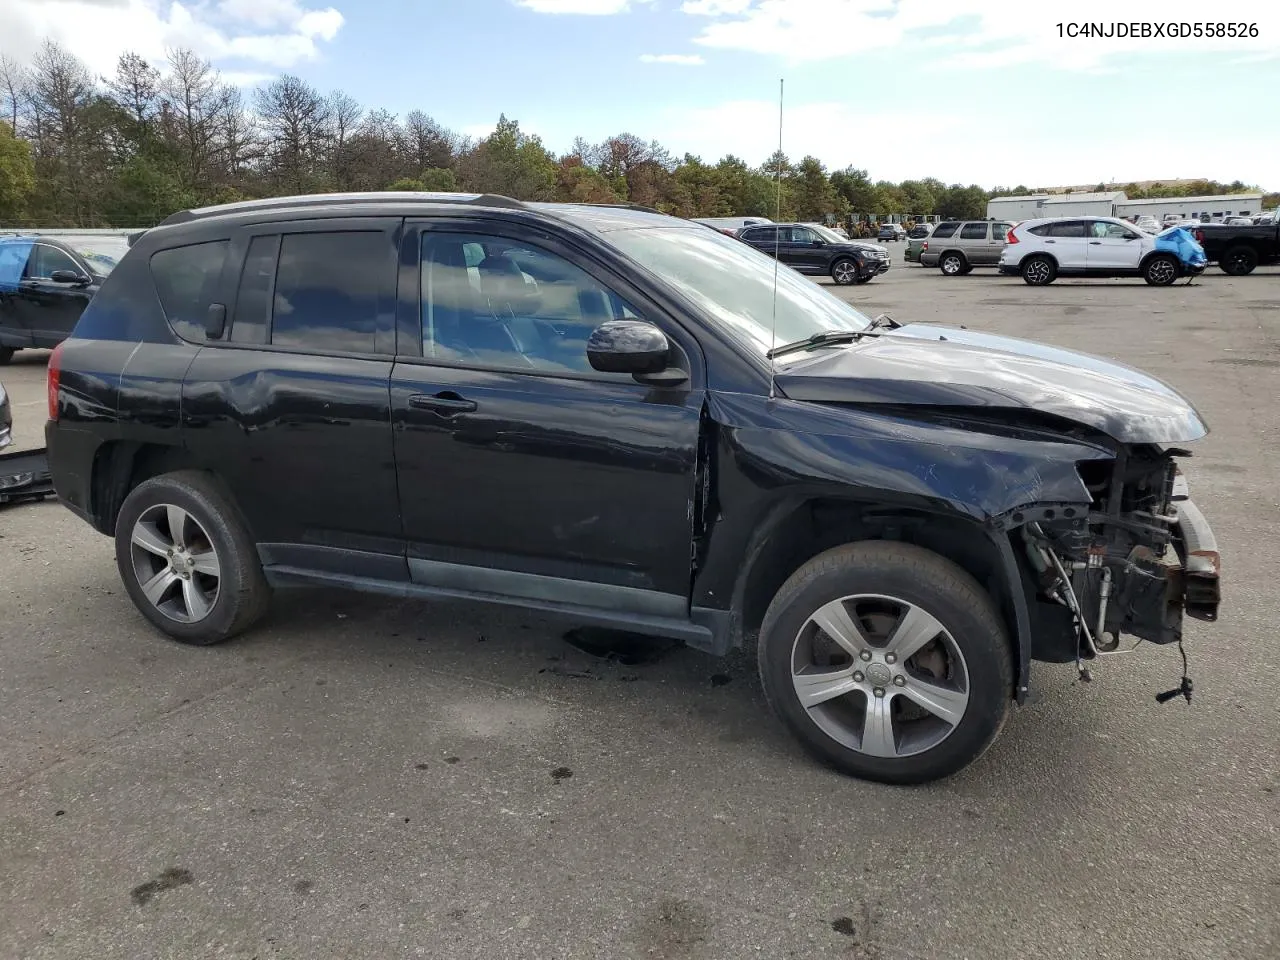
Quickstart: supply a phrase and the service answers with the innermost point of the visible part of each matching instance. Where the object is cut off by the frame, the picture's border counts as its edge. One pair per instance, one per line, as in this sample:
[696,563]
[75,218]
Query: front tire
[952,264]
[1161,270]
[1239,261]
[844,271]
[887,661]
[1039,271]
[187,561]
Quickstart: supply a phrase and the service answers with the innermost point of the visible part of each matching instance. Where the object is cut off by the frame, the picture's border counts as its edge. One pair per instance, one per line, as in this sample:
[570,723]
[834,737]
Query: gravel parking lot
[371,778]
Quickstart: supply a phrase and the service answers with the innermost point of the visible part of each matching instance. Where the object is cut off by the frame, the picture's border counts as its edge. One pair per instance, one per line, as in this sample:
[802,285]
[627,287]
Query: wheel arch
[1043,255]
[796,530]
[958,252]
[120,466]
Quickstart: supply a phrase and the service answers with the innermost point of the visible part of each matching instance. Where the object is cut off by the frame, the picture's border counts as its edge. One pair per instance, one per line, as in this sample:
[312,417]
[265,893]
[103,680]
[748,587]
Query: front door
[806,251]
[50,309]
[522,471]
[1113,246]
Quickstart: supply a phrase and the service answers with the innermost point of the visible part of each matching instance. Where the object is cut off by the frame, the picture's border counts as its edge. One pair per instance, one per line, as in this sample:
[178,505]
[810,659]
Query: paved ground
[360,778]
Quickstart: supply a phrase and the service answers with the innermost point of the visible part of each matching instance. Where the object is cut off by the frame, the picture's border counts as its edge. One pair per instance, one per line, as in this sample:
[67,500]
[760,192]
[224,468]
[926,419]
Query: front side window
[1102,230]
[802,235]
[46,259]
[489,301]
[973,231]
[326,291]
[186,280]
[734,286]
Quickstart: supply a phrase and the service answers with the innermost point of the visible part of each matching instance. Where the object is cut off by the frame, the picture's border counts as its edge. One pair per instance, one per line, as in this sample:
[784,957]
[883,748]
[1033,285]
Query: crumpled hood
[937,366]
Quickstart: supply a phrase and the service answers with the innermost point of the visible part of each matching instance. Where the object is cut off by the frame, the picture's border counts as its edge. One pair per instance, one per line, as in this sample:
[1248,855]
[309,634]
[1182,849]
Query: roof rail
[621,206]
[329,199]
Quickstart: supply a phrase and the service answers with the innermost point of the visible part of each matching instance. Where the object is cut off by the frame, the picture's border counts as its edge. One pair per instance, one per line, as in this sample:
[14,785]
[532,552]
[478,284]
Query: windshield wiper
[828,337]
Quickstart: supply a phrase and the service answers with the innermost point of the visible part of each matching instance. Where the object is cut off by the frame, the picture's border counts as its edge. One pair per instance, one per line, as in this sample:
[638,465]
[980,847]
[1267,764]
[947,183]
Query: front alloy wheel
[952,264]
[880,675]
[844,272]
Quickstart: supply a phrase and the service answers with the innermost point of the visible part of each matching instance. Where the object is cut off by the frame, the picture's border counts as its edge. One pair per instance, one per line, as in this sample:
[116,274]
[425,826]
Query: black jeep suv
[816,250]
[615,416]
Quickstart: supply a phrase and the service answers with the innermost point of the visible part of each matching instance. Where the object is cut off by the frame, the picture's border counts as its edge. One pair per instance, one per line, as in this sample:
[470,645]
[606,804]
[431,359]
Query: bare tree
[344,118]
[13,81]
[238,137]
[197,104]
[136,89]
[59,93]
[296,120]
[426,144]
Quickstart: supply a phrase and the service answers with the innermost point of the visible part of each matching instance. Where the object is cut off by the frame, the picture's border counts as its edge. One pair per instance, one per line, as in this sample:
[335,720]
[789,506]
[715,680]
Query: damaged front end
[1140,558]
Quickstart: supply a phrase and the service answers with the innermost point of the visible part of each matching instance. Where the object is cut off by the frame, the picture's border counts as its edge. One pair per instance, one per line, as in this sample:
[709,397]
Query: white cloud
[977,33]
[683,59]
[591,8]
[274,33]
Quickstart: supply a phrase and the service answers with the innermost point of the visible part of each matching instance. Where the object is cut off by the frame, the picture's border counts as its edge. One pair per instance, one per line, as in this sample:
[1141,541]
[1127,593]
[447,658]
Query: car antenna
[777,242]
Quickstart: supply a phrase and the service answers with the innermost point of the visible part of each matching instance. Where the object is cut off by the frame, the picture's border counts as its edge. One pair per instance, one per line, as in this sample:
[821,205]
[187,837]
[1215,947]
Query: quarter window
[186,279]
[326,291]
[519,307]
[253,301]
[973,231]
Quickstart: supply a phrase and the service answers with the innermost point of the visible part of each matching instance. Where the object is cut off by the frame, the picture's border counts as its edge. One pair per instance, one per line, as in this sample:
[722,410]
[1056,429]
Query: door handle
[1051,241]
[1095,243]
[447,403]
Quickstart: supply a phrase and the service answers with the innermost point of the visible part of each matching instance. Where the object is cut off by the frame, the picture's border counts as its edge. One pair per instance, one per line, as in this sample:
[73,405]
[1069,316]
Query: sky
[970,91]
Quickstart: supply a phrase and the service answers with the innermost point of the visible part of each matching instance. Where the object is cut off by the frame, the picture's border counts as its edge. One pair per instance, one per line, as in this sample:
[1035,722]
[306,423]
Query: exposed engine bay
[1140,558]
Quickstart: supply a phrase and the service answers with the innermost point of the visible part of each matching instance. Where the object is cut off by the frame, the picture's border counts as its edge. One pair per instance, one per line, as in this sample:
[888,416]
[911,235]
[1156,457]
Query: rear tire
[1239,261]
[1039,271]
[952,264]
[1160,270]
[940,705]
[187,561]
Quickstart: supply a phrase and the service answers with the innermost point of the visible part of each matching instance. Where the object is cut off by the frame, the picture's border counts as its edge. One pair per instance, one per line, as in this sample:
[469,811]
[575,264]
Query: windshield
[733,282]
[100,253]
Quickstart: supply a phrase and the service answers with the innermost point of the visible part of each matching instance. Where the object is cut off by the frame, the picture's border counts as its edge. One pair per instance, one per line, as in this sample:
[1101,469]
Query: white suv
[1043,250]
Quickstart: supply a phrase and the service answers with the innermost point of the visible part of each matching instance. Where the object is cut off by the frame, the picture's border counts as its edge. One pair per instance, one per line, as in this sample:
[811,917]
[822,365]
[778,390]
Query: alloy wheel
[1038,271]
[845,272]
[951,266]
[1162,271]
[175,563]
[880,675]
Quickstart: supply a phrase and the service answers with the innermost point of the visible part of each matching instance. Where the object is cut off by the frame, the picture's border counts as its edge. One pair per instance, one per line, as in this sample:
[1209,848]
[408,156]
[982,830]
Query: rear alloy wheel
[186,560]
[1239,261]
[952,264]
[887,661]
[1038,271]
[845,271]
[1160,271]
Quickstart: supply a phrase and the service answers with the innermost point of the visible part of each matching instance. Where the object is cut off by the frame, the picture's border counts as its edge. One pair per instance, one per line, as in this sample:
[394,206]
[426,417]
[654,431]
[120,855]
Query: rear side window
[257,281]
[760,234]
[973,231]
[1068,228]
[945,230]
[186,279]
[326,291]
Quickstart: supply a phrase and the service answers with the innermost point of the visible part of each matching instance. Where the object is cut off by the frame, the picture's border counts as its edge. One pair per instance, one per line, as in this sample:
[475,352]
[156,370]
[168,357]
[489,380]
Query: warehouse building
[1193,208]
[1116,204]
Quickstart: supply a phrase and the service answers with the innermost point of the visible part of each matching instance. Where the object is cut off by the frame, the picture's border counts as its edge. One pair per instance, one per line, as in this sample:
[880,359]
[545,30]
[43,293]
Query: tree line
[129,149]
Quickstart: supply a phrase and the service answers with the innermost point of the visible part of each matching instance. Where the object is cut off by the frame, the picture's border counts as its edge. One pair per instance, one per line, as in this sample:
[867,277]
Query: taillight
[1011,238]
[1200,237]
[925,245]
[53,380]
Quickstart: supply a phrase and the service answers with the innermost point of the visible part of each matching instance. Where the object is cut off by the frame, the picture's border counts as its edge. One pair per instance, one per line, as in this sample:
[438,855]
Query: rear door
[972,240]
[996,241]
[1067,241]
[523,471]
[1113,246]
[291,405]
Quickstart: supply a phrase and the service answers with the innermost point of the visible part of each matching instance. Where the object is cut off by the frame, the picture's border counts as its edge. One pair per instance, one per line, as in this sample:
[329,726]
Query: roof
[1064,197]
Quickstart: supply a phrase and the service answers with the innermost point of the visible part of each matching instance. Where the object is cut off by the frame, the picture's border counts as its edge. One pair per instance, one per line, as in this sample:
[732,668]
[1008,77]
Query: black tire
[952,264]
[1239,261]
[866,279]
[1039,271]
[1161,270]
[845,271]
[6,354]
[242,594]
[968,269]
[915,576]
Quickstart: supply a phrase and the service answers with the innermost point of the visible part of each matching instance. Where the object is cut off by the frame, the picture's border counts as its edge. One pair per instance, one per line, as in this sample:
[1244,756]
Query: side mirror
[70,276]
[819,243]
[628,346]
